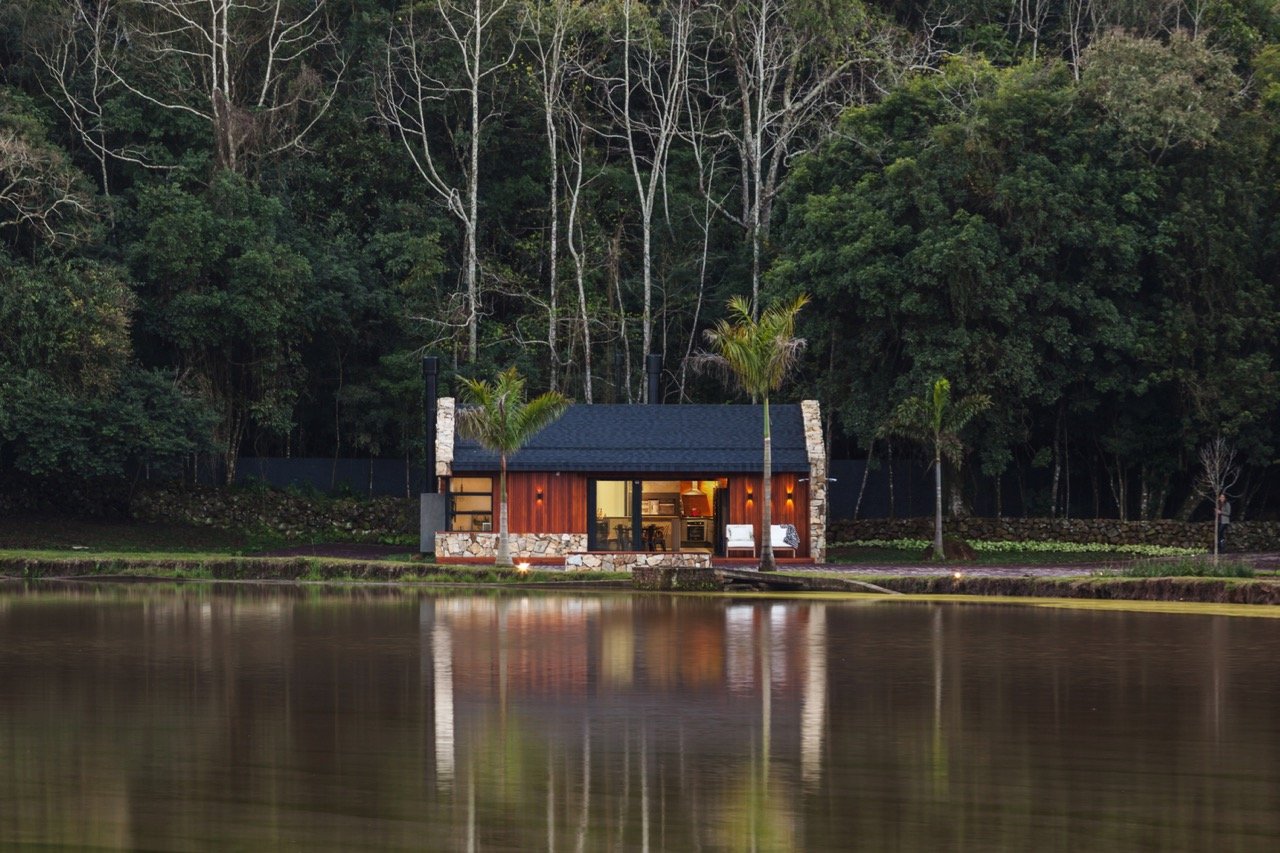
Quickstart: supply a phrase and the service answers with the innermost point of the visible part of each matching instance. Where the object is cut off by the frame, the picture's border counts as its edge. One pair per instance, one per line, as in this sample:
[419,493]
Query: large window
[614,524]
[654,515]
[471,504]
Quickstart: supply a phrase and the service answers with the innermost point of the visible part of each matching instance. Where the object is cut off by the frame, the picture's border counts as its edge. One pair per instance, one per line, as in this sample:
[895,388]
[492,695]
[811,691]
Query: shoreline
[319,570]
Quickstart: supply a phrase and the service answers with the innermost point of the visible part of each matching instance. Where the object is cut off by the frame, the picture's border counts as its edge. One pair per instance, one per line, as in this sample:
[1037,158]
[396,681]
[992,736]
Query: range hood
[694,503]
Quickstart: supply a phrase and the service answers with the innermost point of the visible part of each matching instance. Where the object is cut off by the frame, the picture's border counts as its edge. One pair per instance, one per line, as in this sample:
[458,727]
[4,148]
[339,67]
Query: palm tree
[502,422]
[757,355]
[933,421]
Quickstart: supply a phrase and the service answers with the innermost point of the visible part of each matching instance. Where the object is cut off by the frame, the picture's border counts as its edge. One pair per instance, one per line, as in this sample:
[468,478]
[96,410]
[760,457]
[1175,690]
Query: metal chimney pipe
[653,364]
[430,375]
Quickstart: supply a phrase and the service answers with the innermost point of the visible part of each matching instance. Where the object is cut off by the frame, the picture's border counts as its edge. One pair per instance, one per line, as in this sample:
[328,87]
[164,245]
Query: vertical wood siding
[795,511]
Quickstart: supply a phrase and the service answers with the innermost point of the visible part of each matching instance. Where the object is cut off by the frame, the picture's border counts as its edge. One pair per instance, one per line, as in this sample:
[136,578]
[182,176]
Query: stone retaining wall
[677,579]
[634,561]
[293,515]
[460,544]
[1245,536]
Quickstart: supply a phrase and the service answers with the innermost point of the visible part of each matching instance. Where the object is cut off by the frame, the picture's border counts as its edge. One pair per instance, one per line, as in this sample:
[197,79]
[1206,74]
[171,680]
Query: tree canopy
[272,212]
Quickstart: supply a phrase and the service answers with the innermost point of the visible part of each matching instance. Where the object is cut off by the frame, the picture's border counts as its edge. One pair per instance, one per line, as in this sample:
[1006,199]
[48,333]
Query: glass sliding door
[656,515]
[613,505]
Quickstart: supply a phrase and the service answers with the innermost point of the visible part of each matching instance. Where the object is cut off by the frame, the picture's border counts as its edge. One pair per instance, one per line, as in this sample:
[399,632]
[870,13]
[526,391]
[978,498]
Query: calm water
[260,718]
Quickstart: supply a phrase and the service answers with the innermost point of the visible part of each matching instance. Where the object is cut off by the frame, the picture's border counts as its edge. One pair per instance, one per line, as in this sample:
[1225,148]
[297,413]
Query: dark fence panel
[912,489]
[371,477]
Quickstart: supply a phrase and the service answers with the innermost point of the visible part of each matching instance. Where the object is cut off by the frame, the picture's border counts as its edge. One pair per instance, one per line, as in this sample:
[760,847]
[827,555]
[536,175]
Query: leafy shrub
[1005,546]
[1187,567]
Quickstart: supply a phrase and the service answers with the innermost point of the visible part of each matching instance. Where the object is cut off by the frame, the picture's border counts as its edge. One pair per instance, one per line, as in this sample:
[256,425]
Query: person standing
[1224,520]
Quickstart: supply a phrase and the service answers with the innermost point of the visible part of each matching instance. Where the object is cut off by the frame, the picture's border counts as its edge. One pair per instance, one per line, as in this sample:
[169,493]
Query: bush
[997,546]
[1188,567]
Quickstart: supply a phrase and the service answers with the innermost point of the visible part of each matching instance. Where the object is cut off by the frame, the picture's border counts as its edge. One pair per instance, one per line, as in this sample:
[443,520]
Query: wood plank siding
[794,511]
[563,508]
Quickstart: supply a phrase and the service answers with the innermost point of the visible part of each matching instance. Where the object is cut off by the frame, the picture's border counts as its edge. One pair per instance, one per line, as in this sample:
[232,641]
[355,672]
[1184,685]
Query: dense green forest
[234,226]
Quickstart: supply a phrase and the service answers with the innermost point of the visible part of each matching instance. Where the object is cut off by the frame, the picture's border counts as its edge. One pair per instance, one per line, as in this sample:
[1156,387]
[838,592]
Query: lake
[259,717]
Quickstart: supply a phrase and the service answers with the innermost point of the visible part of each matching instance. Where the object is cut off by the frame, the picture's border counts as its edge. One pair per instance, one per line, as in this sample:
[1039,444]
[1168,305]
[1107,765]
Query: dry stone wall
[1244,536]
[288,514]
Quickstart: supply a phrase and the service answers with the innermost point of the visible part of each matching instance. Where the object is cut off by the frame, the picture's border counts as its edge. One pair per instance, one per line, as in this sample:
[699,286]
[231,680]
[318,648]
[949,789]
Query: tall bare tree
[645,99]
[261,73]
[792,67]
[41,192]
[450,51]
[550,25]
[575,134]
[72,42]
[1218,475]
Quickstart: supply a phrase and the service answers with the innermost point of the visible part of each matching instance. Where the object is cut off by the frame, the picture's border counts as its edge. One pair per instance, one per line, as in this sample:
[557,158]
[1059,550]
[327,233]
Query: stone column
[817,451]
[446,409]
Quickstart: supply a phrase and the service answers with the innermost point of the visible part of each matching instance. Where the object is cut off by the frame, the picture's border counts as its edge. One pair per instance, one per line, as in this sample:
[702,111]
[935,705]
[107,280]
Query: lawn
[879,556]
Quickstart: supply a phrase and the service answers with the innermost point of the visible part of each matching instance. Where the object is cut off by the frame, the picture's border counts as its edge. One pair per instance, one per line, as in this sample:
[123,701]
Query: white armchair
[739,537]
[783,537]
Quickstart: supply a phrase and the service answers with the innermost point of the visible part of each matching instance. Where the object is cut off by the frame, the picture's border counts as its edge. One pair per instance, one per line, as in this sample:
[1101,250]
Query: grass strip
[33,566]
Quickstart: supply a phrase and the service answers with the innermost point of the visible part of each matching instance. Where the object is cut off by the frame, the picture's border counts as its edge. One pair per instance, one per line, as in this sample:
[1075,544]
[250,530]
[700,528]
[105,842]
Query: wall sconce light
[790,493]
[750,495]
[538,494]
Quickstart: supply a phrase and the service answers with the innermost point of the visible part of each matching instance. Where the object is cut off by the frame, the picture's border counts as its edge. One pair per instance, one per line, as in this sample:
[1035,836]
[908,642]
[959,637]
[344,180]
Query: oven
[697,531]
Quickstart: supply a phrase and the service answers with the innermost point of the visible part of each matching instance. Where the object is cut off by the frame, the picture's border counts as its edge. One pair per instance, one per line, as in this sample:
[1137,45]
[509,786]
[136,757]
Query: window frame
[452,513]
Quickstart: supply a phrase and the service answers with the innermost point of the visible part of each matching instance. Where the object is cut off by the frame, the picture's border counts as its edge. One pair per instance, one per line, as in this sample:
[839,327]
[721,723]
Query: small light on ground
[523,568]
[958,575]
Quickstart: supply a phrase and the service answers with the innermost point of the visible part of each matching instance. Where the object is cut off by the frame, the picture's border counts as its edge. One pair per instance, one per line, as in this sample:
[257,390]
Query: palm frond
[497,417]
[911,419]
[757,355]
[966,409]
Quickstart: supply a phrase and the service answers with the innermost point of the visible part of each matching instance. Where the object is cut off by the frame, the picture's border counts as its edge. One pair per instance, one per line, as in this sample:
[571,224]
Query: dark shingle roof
[644,439]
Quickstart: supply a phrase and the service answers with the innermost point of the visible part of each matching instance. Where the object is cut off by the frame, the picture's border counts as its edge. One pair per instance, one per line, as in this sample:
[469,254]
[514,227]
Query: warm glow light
[523,568]
[539,494]
[957,576]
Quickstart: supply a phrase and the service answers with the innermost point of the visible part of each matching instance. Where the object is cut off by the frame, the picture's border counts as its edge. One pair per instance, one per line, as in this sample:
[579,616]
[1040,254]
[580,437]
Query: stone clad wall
[464,544]
[633,561]
[1244,536]
[817,451]
[446,413]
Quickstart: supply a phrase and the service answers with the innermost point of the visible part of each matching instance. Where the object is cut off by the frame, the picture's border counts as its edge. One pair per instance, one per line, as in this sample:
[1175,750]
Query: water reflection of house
[575,647]
[721,677]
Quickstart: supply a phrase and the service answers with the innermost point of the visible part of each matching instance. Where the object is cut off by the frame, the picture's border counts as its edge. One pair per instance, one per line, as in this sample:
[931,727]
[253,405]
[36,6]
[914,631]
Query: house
[613,485]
